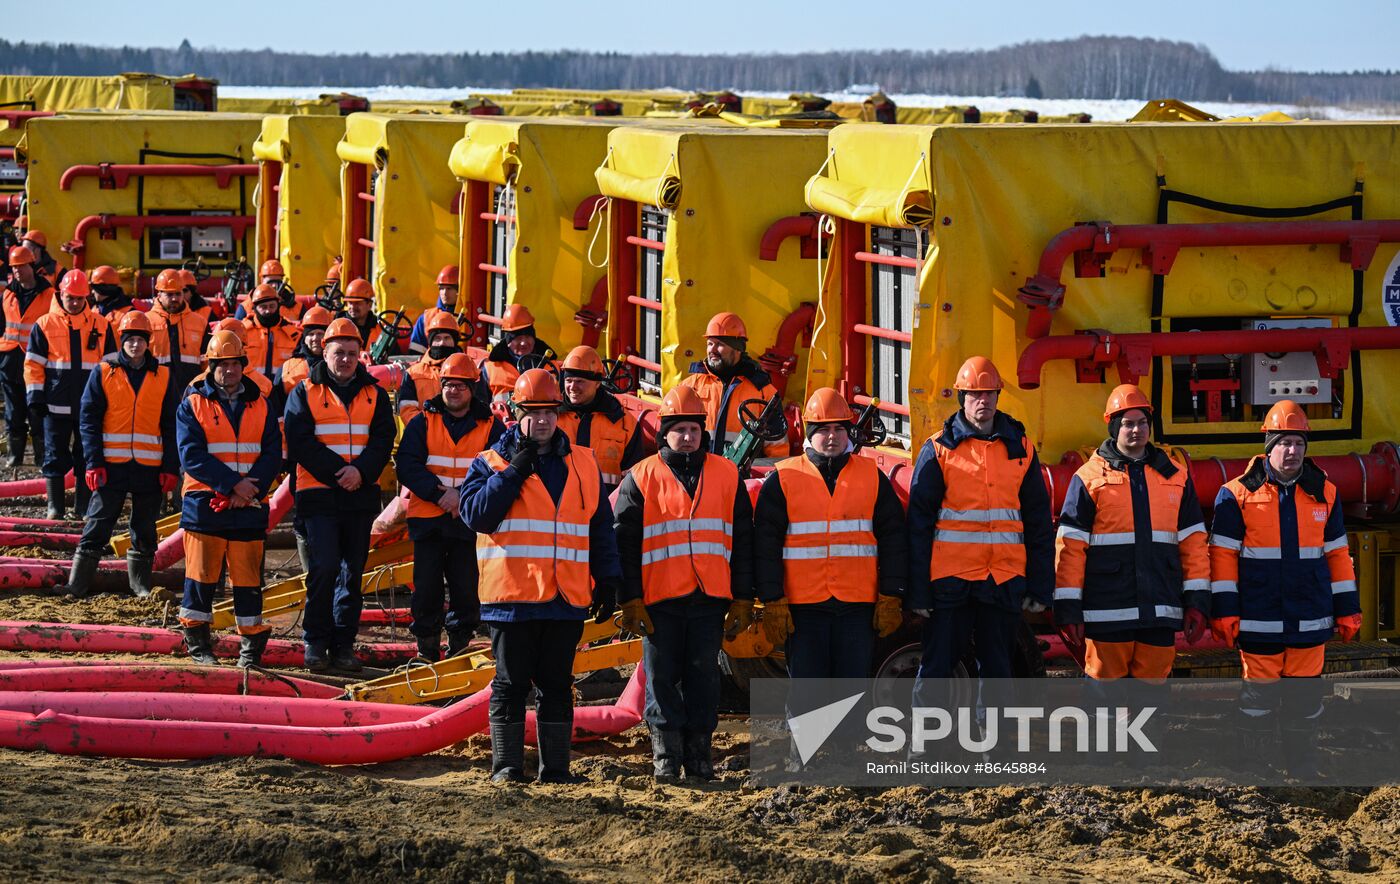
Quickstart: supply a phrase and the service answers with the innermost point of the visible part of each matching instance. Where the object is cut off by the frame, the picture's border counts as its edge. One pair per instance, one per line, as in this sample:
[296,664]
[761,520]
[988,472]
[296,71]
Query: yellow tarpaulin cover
[53,144]
[415,227]
[1001,194]
[925,116]
[324,106]
[124,91]
[733,184]
[308,203]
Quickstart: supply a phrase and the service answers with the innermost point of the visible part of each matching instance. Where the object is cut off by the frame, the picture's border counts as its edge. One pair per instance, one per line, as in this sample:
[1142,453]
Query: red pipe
[1134,352]
[780,360]
[655,245]
[882,405]
[43,540]
[887,260]
[393,616]
[29,487]
[10,205]
[119,174]
[138,224]
[1091,243]
[804,226]
[583,212]
[16,119]
[292,711]
[594,316]
[126,676]
[888,334]
[389,375]
[19,523]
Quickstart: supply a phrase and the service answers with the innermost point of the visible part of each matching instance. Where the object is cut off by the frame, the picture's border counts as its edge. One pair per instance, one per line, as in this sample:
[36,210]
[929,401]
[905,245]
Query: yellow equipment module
[143,191]
[326,106]
[399,204]
[299,195]
[697,217]
[133,91]
[531,199]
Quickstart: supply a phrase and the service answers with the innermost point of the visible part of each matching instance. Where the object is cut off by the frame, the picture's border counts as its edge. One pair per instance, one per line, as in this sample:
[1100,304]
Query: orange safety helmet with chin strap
[978,375]
[536,388]
[826,406]
[682,401]
[1125,397]
[1286,416]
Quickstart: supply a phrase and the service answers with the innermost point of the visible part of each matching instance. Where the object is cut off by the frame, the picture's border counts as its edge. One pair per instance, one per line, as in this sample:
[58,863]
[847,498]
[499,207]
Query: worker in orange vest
[726,378]
[240,331]
[65,345]
[359,309]
[230,453]
[340,432]
[108,296]
[548,558]
[981,545]
[1133,567]
[594,418]
[44,263]
[271,336]
[1282,578]
[438,445]
[419,340]
[421,380]
[830,550]
[684,526]
[518,349]
[273,275]
[127,421]
[26,296]
[194,301]
[177,333]
[306,356]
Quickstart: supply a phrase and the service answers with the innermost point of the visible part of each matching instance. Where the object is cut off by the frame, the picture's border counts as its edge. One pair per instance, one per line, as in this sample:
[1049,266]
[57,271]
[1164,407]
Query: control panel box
[1269,377]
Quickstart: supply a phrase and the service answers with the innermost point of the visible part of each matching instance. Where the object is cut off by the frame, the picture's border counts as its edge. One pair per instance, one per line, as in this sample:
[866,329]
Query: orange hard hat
[1286,416]
[333,271]
[134,322]
[726,325]
[37,237]
[585,360]
[20,255]
[516,317]
[105,275]
[316,317]
[187,279]
[359,290]
[272,267]
[536,388]
[442,321]
[447,275]
[683,401]
[263,292]
[978,375]
[75,283]
[459,367]
[168,280]
[341,328]
[229,324]
[826,406]
[1124,398]
[224,345]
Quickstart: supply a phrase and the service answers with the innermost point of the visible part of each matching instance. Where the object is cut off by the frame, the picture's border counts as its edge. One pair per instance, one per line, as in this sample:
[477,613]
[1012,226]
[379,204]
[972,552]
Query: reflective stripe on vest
[686,542]
[341,428]
[829,550]
[131,421]
[540,549]
[237,448]
[500,376]
[607,439]
[18,324]
[979,532]
[447,460]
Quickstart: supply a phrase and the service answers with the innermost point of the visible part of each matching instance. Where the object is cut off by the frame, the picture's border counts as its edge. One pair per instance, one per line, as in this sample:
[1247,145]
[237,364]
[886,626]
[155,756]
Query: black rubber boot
[251,647]
[556,739]
[82,496]
[37,440]
[430,647]
[508,752]
[81,574]
[201,645]
[16,452]
[697,760]
[344,659]
[303,554]
[458,640]
[667,749]
[317,659]
[53,490]
[138,572]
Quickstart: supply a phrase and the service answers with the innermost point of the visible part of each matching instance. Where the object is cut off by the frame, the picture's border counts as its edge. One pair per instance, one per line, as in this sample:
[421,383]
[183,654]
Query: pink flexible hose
[125,677]
[172,548]
[30,487]
[42,539]
[212,708]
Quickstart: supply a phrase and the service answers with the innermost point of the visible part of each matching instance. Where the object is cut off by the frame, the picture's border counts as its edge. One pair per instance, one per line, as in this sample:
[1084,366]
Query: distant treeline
[1086,67]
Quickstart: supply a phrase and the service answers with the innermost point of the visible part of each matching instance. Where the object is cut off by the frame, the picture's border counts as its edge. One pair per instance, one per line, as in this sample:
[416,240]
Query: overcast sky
[1244,34]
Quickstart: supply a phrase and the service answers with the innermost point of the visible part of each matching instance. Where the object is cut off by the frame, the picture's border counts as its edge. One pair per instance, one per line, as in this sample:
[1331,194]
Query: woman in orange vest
[518,349]
[127,421]
[340,432]
[684,524]
[230,453]
[548,558]
[271,337]
[421,380]
[437,447]
[594,418]
[64,347]
[981,546]
[26,297]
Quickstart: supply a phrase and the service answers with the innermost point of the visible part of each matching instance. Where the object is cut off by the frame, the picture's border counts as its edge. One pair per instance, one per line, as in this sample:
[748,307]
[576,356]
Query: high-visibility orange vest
[448,461]
[190,328]
[19,323]
[540,550]
[343,429]
[830,551]
[500,376]
[281,340]
[979,533]
[607,439]
[686,542]
[257,377]
[294,371]
[240,448]
[131,423]
[425,373]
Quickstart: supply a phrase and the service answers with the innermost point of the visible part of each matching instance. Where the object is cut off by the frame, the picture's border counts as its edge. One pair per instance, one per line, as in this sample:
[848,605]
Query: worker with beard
[726,379]
[519,349]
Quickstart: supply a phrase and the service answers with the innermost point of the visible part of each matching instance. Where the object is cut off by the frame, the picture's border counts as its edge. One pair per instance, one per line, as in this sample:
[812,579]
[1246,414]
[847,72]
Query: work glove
[604,601]
[219,503]
[1196,625]
[95,478]
[635,619]
[1031,605]
[1348,627]
[777,622]
[39,408]
[525,458]
[738,618]
[168,482]
[1226,629]
[889,615]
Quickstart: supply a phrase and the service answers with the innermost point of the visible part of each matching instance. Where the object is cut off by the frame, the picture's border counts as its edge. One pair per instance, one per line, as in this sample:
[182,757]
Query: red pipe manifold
[119,174]
[137,224]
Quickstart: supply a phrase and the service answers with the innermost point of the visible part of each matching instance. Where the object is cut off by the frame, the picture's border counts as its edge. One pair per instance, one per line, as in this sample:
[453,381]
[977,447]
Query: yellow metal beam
[164,528]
